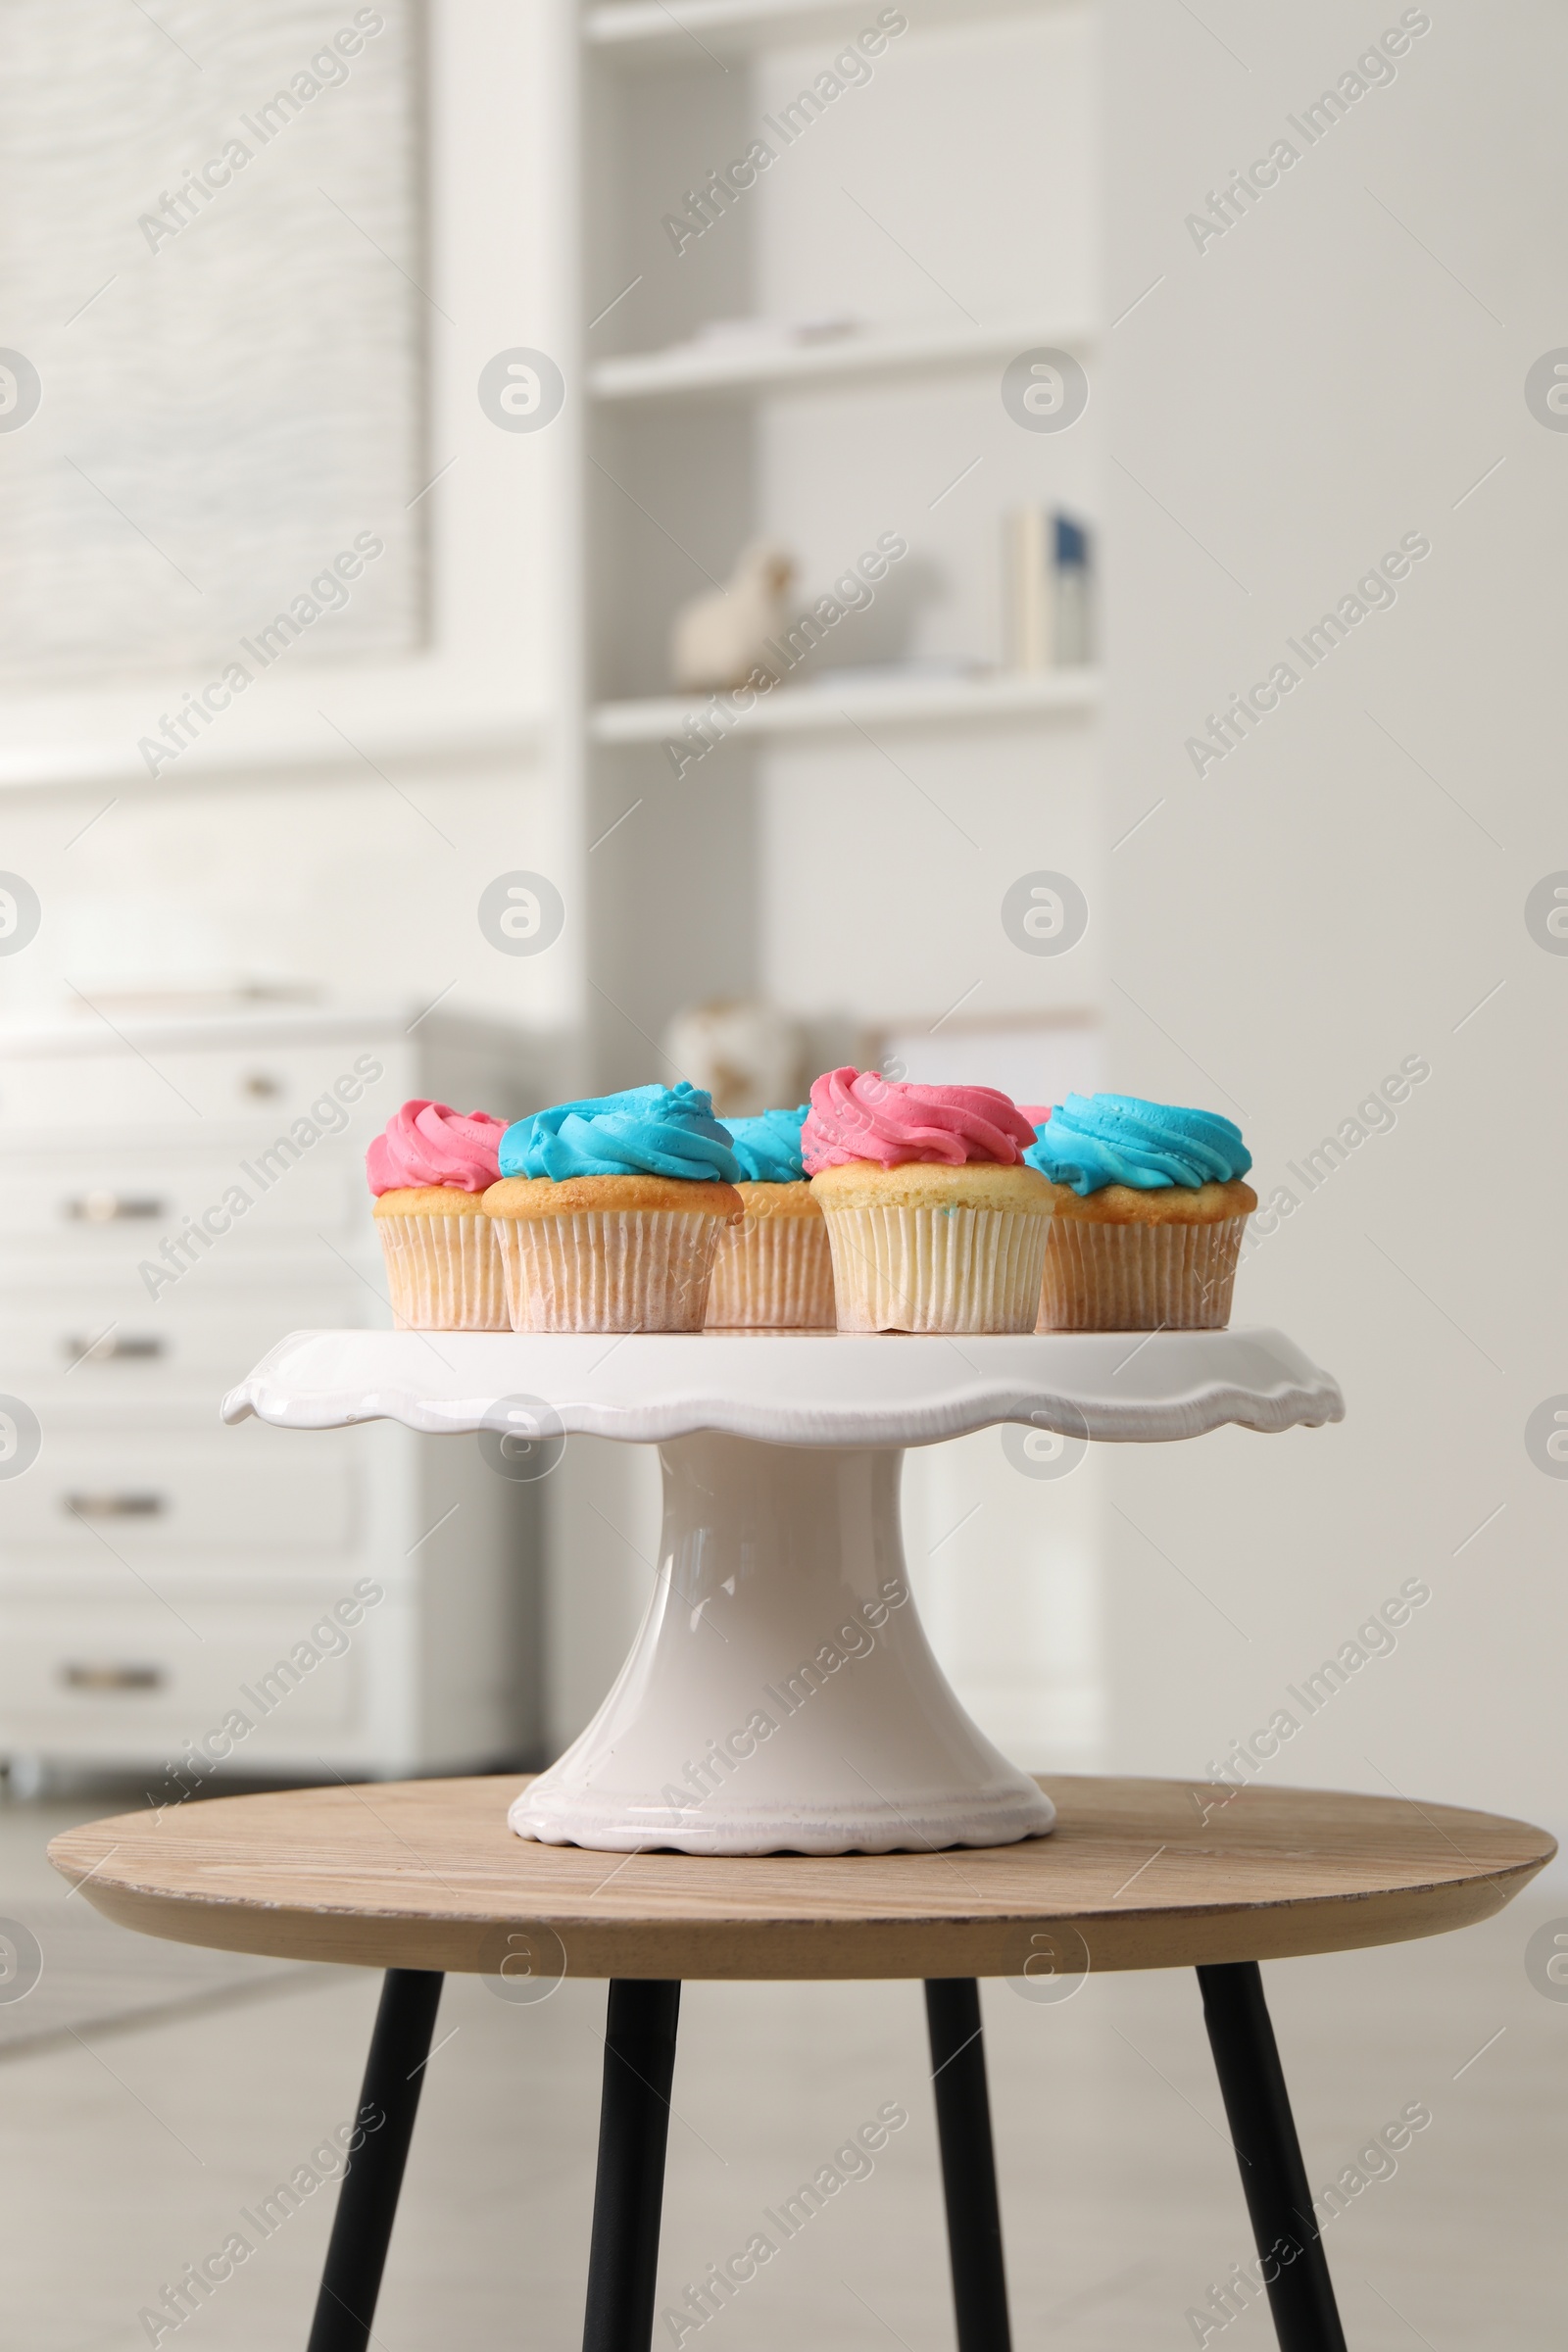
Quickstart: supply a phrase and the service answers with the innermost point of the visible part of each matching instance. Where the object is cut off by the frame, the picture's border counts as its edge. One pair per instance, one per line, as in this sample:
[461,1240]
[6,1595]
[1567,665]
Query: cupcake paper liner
[937,1269]
[1102,1277]
[609,1269]
[773,1274]
[444,1273]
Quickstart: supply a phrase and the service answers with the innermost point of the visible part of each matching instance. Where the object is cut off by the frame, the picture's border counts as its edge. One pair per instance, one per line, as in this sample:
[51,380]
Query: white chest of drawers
[178,1598]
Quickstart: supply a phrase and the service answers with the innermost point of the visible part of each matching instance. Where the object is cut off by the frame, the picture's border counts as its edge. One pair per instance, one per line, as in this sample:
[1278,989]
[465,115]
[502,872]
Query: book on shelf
[1049,584]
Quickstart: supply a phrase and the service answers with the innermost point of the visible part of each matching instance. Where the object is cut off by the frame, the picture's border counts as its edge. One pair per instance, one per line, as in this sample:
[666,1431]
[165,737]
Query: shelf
[646,32]
[838,708]
[779,366]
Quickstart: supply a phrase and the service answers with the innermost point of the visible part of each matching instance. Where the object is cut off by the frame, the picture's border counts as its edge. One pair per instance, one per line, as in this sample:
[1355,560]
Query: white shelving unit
[943,199]
[896,205]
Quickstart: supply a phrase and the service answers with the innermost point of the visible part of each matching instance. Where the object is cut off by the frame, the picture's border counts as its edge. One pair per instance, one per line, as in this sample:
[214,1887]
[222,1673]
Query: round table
[425,1877]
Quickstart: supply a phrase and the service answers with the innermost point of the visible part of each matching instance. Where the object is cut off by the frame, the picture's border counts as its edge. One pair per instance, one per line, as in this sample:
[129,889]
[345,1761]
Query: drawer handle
[114,1348]
[261,1087]
[116,1506]
[105,1208]
[86,1675]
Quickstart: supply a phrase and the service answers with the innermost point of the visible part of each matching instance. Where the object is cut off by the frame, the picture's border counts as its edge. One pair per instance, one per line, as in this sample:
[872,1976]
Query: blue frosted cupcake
[774,1271]
[1147,1214]
[609,1211]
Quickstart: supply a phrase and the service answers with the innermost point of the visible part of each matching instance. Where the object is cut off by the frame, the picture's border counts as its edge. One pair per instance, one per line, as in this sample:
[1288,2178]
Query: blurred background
[1128,439]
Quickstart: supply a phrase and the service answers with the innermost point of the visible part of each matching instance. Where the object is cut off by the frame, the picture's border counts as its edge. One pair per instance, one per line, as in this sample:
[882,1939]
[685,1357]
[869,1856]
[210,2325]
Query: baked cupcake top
[858,1114]
[646,1131]
[768,1147]
[1091,1141]
[428,1143]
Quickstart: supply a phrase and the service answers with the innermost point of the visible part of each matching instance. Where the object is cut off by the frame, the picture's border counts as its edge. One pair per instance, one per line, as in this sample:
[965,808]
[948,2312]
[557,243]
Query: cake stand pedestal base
[781,1695]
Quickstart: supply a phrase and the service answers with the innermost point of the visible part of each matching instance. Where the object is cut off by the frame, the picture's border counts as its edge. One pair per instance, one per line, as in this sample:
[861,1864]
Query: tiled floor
[124,2161]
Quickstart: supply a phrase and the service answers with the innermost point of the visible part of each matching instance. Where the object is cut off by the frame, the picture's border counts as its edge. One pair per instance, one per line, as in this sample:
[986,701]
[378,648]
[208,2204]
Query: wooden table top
[425,1874]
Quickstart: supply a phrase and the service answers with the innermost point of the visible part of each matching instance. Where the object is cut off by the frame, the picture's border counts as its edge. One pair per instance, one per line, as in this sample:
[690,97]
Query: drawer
[107,1674]
[115,1202]
[253,1085]
[163,1496]
[97,1345]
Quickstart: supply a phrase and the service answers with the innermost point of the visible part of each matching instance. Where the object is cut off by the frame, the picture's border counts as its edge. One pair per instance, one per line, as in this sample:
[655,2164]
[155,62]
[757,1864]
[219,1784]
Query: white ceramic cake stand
[781,1694]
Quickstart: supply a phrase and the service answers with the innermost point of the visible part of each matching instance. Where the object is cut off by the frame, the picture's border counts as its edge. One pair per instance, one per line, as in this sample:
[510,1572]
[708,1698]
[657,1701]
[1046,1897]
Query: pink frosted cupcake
[934,1221]
[430,1171]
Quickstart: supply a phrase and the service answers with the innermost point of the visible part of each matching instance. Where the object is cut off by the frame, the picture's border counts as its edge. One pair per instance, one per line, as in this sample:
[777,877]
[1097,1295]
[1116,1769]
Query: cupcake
[773,1271]
[430,1169]
[934,1221]
[609,1211]
[1150,1210]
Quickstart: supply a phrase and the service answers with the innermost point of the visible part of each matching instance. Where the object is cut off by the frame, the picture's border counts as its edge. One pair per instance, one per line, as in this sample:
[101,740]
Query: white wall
[1283,406]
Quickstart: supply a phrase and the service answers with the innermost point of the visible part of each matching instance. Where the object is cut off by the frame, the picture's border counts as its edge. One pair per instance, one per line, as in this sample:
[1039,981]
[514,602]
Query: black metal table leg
[1258,2108]
[968,2163]
[629,2190]
[368,2200]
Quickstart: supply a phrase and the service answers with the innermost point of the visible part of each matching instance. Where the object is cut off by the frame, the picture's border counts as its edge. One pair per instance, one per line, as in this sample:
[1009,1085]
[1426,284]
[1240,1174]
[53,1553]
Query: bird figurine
[720,637]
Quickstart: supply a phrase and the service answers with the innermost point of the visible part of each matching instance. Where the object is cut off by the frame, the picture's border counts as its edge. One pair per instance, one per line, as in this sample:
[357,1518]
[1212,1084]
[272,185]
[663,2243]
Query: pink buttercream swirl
[858,1114]
[426,1143]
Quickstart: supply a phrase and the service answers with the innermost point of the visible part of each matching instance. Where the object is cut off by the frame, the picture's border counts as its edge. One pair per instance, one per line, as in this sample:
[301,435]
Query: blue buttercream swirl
[1094,1140]
[646,1131]
[768,1147]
